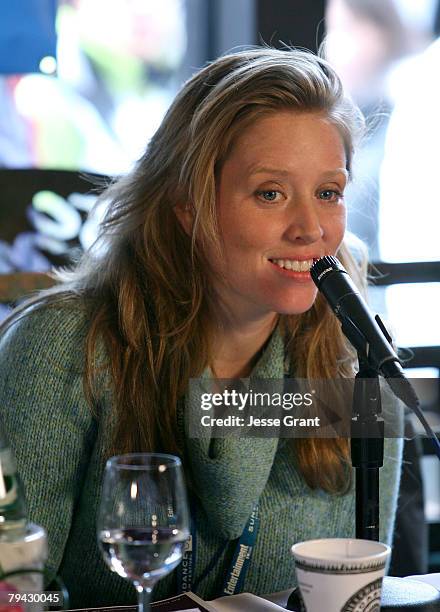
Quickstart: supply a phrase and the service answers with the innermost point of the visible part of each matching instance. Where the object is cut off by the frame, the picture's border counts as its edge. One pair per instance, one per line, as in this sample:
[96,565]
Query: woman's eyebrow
[336,173]
[267,170]
[281,172]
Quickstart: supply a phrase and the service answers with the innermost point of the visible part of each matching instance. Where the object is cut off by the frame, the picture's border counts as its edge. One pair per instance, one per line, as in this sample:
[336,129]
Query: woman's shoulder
[55,327]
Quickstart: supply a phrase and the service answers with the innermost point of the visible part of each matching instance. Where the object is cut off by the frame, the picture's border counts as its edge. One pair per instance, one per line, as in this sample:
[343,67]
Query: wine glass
[143,519]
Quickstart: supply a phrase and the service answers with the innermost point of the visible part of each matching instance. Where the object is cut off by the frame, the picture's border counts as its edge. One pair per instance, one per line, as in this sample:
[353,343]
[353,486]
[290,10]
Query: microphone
[366,333]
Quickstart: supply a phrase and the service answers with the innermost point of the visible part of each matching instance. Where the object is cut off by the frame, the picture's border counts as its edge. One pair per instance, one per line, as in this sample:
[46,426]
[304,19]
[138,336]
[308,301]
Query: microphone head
[324,266]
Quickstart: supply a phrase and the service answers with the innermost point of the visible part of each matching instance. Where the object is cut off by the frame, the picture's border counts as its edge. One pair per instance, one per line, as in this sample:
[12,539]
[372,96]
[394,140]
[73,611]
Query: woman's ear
[185,216]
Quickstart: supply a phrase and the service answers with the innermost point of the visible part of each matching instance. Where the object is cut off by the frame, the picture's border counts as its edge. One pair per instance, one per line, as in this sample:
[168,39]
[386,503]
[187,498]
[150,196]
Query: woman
[201,269]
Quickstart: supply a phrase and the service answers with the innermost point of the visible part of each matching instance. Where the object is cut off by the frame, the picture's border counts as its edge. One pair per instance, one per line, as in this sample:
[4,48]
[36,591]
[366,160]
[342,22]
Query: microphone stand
[367,444]
[367,453]
[367,436]
[369,337]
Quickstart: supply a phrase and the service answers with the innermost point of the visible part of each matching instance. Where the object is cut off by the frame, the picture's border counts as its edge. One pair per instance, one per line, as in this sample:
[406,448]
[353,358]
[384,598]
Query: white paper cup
[340,575]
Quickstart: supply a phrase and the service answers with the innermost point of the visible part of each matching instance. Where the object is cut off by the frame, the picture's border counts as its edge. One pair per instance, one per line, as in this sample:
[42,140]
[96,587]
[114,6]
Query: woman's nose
[303,223]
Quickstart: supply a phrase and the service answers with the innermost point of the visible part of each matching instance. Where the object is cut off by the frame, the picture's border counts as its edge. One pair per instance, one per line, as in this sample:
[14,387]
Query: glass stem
[144,596]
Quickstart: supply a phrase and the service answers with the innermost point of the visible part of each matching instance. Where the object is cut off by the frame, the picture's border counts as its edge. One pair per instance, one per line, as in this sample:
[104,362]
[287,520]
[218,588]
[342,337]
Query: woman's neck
[238,347]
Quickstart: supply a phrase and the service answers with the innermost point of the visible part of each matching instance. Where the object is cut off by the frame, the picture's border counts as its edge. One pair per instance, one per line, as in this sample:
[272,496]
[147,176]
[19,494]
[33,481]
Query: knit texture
[61,452]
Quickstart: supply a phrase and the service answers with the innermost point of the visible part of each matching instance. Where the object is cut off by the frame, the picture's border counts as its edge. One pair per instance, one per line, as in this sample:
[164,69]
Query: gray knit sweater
[60,449]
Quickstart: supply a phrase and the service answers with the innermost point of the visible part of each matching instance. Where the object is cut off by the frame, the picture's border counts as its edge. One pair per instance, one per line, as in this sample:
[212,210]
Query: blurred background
[85,83]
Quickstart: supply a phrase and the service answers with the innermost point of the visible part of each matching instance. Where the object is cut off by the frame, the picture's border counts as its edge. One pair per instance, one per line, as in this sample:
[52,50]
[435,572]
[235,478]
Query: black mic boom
[365,332]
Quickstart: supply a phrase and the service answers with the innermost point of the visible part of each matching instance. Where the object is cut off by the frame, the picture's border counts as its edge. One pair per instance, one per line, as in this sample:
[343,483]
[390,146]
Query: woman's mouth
[295,265]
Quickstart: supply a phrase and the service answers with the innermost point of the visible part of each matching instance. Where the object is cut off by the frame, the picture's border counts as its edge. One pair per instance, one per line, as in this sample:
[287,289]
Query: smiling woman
[201,269]
[277,213]
[273,222]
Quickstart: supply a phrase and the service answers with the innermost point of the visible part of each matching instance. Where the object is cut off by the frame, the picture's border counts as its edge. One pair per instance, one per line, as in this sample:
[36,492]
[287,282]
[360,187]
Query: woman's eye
[331,195]
[269,195]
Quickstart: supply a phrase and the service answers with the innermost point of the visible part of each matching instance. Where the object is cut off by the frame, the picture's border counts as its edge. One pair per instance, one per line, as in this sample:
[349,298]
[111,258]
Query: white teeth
[294,264]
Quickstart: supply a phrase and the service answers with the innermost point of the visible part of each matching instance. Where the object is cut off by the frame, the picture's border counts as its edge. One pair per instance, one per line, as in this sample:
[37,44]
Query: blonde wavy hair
[146,284]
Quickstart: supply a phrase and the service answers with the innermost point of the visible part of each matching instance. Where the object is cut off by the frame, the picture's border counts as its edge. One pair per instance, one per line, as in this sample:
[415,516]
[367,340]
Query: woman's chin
[296,307]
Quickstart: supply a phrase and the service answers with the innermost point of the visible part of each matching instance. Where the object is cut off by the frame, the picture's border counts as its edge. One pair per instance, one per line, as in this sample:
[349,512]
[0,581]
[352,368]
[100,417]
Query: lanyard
[239,565]
[242,556]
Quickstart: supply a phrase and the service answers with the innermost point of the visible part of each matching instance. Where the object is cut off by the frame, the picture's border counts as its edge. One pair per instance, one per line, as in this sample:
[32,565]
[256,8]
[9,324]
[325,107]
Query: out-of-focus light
[133,490]
[410,330]
[48,65]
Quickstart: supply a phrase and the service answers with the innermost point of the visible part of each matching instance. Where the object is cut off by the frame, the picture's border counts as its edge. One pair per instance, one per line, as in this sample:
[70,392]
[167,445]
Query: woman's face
[280,205]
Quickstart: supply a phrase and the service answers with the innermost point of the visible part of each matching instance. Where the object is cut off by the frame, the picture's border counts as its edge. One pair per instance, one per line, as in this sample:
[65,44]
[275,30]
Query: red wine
[142,553]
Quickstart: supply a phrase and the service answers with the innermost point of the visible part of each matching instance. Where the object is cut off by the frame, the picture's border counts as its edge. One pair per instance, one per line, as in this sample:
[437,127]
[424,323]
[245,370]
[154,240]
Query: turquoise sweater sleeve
[46,418]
